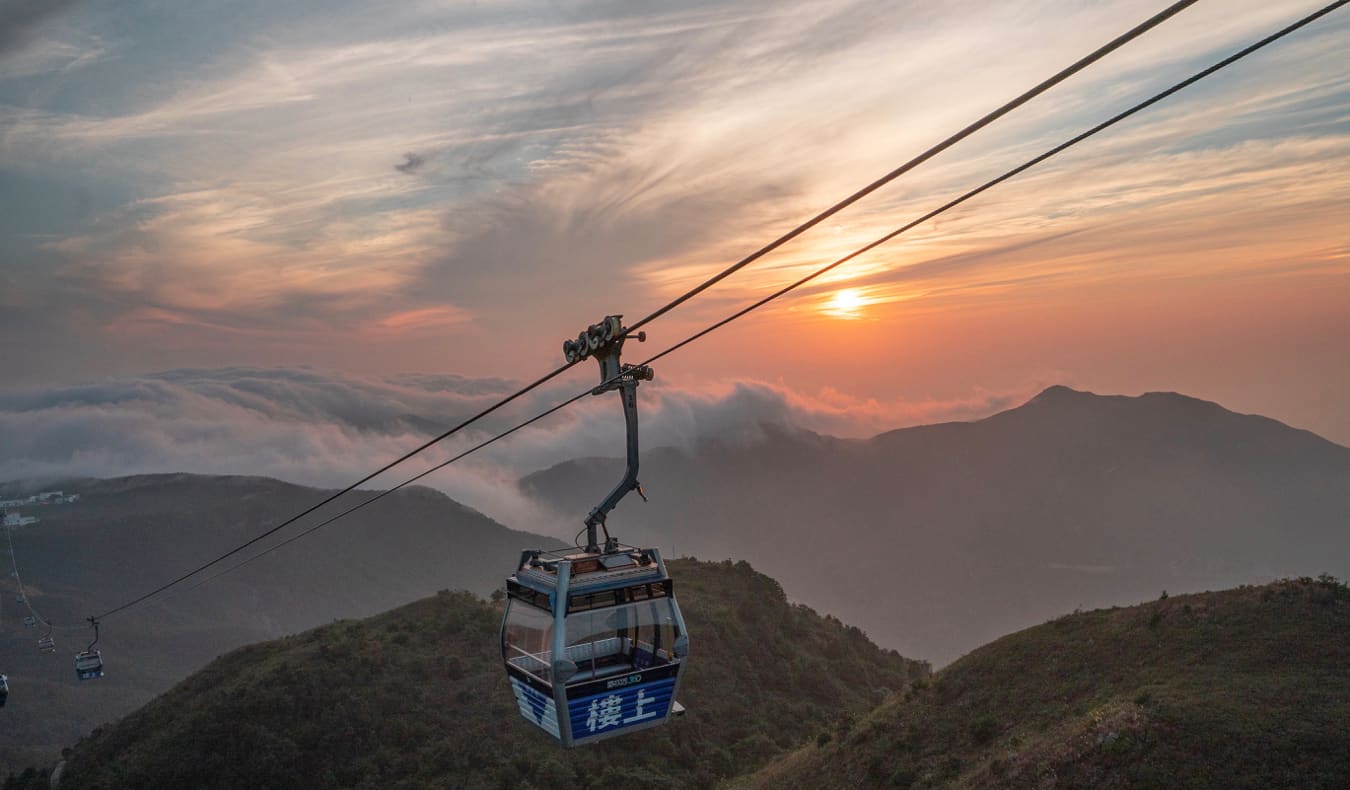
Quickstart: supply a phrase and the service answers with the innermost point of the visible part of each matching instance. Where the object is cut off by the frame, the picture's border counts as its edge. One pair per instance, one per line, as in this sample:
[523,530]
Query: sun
[846,303]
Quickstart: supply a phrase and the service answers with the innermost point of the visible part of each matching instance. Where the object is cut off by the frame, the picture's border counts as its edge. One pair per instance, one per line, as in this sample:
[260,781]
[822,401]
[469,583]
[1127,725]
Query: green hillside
[1248,688]
[416,697]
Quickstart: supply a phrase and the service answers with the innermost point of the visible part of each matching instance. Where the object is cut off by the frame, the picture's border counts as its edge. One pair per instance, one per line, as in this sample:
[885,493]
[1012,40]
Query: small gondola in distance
[89,662]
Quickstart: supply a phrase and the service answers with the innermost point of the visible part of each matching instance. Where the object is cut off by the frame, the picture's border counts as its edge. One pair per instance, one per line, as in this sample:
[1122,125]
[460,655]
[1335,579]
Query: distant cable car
[4,690]
[19,598]
[29,621]
[593,640]
[89,664]
[47,645]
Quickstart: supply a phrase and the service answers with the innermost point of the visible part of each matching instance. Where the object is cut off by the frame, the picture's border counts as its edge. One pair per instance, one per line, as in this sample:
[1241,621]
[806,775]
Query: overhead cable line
[443,436]
[18,580]
[1040,88]
[381,495]
[23,591]
[821,271]
[1098,54]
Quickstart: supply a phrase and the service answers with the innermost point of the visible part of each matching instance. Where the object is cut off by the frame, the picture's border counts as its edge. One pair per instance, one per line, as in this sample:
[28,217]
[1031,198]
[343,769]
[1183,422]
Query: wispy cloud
[411,162]
[20,20]
[231,187]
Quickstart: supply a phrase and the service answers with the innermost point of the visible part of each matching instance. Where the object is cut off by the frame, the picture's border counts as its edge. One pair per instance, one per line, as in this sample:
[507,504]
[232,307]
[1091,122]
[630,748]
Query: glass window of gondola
[516,590]
[602,642]
[582,603]
[527,638]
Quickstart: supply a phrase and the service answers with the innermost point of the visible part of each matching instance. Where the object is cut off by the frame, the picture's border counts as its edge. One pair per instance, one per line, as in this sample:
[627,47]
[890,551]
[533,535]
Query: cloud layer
[329,430]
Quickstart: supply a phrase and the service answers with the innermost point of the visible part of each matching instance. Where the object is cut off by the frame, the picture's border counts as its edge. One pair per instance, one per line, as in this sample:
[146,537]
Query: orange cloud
[430,318]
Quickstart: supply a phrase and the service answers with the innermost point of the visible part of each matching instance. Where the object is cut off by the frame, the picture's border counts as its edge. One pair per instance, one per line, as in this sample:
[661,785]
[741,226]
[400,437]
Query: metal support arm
[605,341]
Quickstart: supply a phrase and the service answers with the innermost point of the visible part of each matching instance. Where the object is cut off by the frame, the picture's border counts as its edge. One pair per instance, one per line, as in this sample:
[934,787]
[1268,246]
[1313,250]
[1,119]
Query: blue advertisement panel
[629,703]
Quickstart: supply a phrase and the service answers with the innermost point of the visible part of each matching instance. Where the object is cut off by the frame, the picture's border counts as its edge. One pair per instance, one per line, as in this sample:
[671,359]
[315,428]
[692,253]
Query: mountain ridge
[1062,396]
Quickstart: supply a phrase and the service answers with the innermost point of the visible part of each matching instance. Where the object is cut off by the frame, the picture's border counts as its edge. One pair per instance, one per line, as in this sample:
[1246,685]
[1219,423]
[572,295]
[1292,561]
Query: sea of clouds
[327,429]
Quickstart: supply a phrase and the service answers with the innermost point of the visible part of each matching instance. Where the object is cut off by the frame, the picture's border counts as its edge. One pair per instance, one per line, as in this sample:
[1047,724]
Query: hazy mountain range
[938,538]
[932,539]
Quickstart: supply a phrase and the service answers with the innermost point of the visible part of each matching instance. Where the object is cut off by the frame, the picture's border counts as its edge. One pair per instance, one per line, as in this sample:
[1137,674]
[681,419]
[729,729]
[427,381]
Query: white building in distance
[44,498]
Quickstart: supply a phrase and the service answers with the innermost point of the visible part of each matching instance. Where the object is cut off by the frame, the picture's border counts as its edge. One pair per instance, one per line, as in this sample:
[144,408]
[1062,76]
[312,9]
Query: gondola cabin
[593,642]
[47,644]
[4,690]
[89,665]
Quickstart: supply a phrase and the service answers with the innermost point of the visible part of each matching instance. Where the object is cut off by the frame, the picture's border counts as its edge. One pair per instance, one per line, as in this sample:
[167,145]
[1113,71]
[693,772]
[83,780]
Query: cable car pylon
[593,640]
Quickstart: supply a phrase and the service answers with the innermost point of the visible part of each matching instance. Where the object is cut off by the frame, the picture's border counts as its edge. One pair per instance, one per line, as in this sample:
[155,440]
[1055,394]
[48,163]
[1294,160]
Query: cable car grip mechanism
[604,341]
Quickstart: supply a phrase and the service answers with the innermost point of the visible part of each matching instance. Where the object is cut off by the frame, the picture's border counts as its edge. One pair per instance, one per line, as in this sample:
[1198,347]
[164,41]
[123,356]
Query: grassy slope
[416,697]
[1243,688]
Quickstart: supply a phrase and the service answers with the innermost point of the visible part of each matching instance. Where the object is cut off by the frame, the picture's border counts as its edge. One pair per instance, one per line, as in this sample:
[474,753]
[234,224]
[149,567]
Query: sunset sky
[380,192]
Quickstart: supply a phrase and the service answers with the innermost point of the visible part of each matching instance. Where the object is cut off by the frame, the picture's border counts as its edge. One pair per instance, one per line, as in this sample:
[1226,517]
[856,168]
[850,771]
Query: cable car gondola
[89,664]
[4,689]
[592,640]
[45,642]
[29,621]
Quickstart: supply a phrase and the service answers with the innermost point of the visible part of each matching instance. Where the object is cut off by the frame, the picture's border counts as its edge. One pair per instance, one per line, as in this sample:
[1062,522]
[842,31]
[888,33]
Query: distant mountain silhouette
[938,538]
[128,535]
